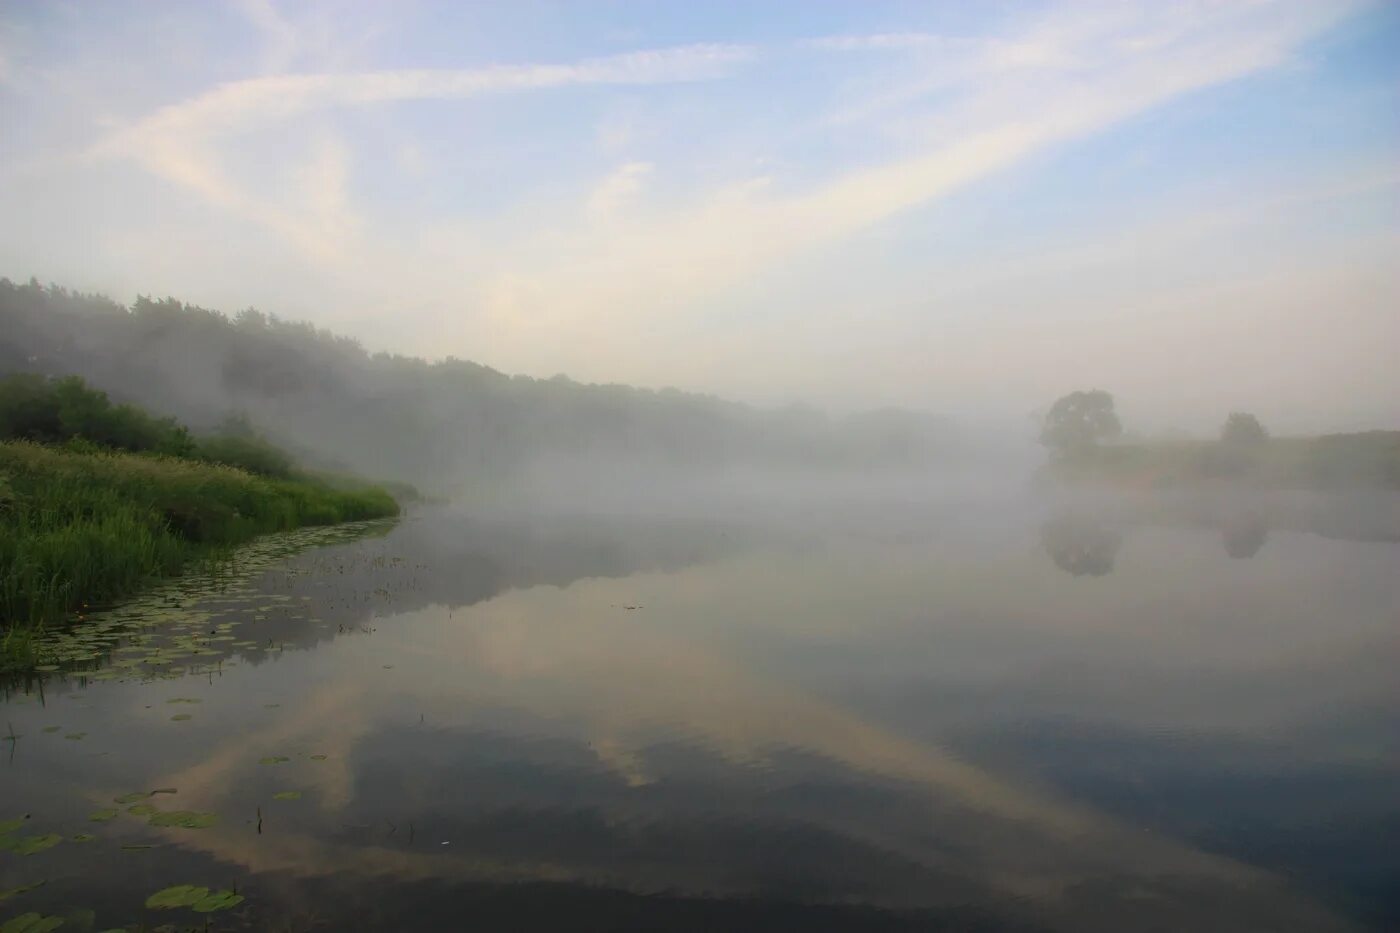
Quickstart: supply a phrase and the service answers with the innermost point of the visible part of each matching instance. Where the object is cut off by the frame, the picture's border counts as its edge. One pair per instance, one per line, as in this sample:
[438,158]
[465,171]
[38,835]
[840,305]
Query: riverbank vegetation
[1082,434]
[451,426]
[97,500]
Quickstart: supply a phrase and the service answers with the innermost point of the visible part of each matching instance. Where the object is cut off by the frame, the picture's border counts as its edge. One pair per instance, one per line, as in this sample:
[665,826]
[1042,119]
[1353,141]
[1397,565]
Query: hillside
[434,423]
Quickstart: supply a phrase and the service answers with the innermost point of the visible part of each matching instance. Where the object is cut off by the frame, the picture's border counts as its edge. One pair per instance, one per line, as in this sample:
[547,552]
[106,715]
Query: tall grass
[86,526]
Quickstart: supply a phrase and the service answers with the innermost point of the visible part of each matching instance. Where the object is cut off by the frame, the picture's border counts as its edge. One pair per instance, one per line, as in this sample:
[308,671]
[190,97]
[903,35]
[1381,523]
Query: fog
[578,465]
[946,210]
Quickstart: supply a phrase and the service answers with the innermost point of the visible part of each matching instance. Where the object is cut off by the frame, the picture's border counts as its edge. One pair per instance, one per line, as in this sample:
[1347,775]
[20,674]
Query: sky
[954,207]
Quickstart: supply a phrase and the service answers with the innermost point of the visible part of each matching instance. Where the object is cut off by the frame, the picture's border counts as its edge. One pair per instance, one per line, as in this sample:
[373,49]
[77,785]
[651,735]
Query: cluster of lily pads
[12,841]
[168,632]
[159,634]
[199,899]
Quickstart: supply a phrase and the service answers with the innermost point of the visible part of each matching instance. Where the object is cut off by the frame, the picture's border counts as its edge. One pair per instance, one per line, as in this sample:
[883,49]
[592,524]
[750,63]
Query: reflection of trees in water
[447,559]
[1080,545]
[1244,535]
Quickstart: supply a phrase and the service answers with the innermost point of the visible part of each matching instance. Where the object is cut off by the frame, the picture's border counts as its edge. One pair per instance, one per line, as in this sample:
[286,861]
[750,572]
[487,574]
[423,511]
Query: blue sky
[959,207]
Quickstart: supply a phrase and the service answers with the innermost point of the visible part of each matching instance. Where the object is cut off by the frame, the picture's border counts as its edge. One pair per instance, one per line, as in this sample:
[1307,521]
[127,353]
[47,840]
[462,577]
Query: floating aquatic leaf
[31,923]
[164,790]
[75,736]
[28,845]
[46,668]
[181,717]
[188,819]
[132,797]
[9,826]
[138,847]
[142,809]
[184,700]
[52,728]
[15,892]
[287,795]
[84,837]
[273,760]
[220,900]
[318,757]
[181,895]
[102,816]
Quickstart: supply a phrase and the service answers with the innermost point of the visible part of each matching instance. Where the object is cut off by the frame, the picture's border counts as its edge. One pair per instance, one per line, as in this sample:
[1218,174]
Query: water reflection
[1244,534]
[865,734]
[1080,544]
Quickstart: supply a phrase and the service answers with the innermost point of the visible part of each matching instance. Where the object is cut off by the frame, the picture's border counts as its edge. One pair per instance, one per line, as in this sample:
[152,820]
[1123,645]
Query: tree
[1078,421]
[1243,430]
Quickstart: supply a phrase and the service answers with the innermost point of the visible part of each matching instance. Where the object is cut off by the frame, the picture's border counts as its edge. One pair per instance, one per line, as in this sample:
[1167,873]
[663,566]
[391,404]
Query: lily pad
[220,900]
[184,700]
[189,819]
[318,757]
[287,795]
[9,826]
[28,845]
[142,809]
[75,736]
[84,837]
[22,889]
[31,923]
[102,816]
[133,797]
[273,760]
[181,717]
[181,895]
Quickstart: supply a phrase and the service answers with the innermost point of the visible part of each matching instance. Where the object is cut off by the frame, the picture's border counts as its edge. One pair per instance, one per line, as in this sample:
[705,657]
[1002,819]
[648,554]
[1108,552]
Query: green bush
[57,410]
[81,527]
[249,453]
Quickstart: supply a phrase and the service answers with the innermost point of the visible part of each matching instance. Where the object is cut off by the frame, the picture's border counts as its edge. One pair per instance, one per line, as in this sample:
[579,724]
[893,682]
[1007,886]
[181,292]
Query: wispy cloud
[552,231]
[664,259]
[242,106]
[178,142]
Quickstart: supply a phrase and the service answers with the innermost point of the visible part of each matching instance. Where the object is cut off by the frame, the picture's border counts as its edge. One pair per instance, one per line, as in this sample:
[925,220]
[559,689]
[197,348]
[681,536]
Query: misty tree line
[337,406]
[1081,420]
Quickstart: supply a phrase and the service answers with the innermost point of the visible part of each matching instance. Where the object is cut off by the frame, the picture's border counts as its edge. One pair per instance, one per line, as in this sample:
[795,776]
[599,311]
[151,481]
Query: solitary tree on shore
[1243,430]
[1078,421]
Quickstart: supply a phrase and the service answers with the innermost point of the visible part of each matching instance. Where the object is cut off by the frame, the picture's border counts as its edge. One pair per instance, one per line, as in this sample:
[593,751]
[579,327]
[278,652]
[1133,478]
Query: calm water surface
[568,723]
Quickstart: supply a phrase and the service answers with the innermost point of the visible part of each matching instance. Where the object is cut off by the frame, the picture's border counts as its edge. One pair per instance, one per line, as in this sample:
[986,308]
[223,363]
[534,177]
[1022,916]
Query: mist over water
[848,709]
[699,466]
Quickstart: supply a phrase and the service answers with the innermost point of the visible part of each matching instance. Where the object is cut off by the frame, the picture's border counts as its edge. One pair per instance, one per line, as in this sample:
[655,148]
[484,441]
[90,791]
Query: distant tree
[1243,430]
[1078,421]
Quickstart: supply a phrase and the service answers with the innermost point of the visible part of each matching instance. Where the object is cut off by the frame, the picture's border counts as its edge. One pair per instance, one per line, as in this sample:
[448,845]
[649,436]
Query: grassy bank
[87,526]
[1367,460]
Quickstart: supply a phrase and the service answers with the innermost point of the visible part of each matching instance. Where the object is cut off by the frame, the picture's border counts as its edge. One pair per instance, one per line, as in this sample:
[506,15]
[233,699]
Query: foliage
[1078,421]
[337,407]
[87,528]
[50,411]
[1242,429]
[66,410]
[254,454]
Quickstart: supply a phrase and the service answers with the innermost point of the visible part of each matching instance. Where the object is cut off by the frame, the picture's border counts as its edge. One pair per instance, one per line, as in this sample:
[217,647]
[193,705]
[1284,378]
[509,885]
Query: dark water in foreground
[518,724]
